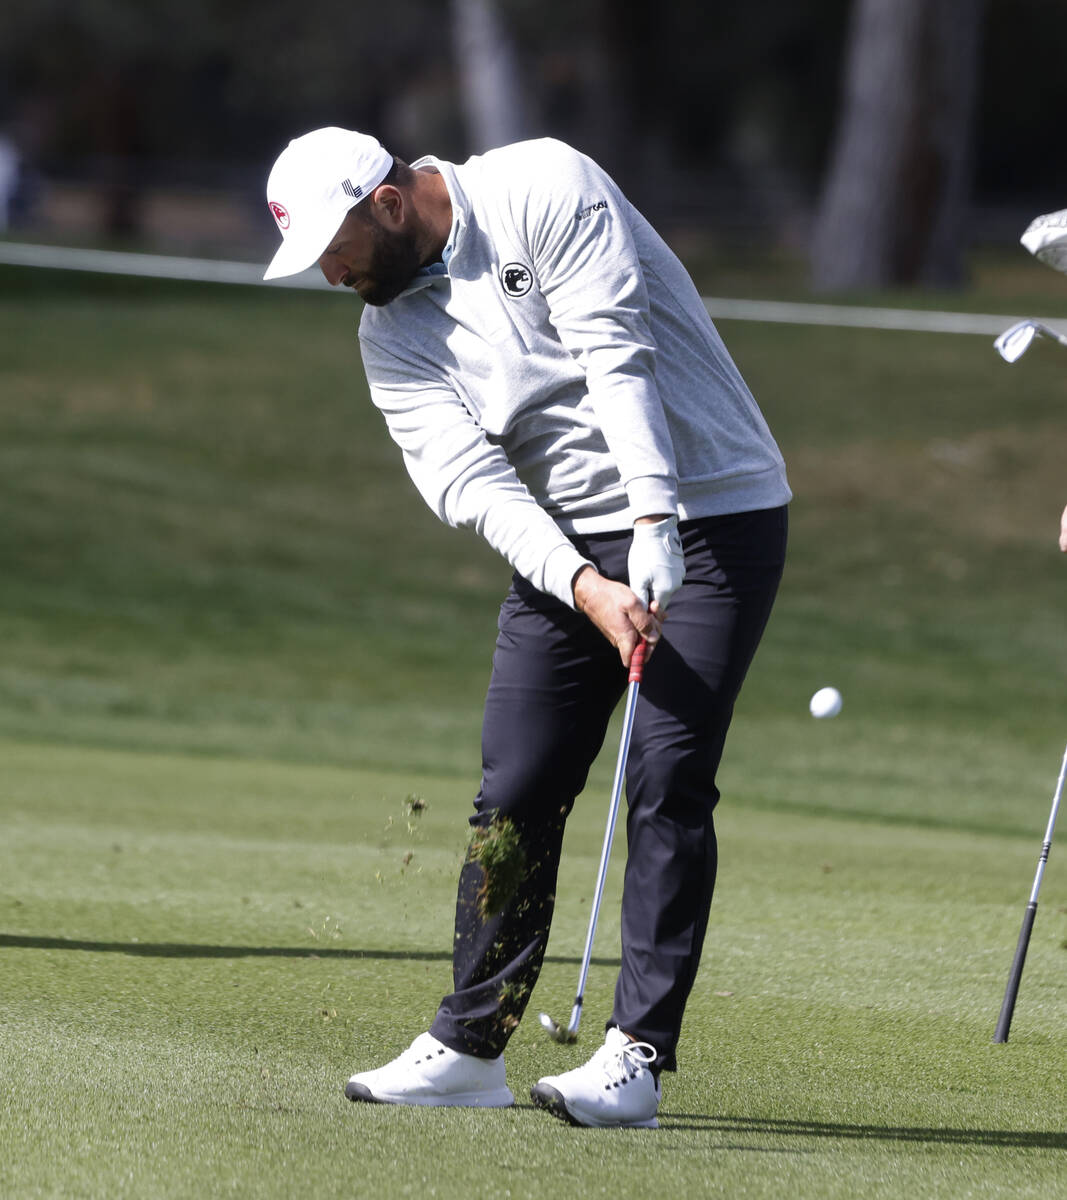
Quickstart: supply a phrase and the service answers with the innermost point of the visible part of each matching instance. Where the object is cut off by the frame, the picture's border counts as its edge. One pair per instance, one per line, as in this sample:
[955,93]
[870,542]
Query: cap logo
[349,190]
[280,214]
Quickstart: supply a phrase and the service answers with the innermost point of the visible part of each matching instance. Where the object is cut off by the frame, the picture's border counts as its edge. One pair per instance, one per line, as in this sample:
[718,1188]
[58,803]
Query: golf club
[1013,343]
[553,1028]
[1046,239]
[1016,973]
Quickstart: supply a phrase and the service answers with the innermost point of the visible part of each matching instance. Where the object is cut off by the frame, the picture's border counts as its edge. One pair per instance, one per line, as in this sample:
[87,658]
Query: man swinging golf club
[553,380]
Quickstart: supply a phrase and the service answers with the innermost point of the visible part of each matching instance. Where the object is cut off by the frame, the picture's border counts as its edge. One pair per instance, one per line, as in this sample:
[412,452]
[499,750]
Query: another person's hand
[656,564]
[1063,531]
[616,612]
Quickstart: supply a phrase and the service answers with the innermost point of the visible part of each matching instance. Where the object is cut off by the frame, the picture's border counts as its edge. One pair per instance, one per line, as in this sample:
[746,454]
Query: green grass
[236,645]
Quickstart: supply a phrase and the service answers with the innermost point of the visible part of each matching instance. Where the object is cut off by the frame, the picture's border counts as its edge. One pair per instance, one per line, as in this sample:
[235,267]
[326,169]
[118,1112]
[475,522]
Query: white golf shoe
[615,1087]
[429,1073]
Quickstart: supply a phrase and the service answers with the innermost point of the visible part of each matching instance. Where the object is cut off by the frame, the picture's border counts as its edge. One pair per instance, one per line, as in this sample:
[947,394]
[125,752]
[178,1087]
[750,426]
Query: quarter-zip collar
[437,271]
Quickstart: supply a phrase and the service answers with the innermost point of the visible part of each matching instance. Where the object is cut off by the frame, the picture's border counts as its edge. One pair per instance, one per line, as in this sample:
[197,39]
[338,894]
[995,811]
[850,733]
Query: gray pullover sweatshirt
[560,374]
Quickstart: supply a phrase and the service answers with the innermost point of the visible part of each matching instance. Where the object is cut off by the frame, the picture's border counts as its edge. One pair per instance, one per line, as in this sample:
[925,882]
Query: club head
[1046,239]
[1013,343]
[556,1031]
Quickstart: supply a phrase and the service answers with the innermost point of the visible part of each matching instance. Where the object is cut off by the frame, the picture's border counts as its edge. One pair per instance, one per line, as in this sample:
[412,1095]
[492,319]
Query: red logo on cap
[279,213]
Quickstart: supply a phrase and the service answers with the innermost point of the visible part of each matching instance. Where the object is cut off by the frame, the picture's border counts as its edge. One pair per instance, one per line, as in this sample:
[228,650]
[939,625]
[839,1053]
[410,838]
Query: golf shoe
[615,1087]
[429,1073]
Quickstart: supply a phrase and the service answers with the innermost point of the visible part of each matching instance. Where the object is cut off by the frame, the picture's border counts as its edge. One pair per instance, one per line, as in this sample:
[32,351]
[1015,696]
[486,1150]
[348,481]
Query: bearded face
[390,264]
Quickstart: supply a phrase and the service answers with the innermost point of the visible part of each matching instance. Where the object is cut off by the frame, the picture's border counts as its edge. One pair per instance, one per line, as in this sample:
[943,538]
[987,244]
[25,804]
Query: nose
[332,268]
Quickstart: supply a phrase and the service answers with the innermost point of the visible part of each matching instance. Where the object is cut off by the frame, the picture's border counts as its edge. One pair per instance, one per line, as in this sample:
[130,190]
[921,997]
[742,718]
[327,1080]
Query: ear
[387,205]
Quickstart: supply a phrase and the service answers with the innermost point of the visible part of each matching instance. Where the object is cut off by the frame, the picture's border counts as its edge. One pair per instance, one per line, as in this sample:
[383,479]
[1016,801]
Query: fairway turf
[237,648]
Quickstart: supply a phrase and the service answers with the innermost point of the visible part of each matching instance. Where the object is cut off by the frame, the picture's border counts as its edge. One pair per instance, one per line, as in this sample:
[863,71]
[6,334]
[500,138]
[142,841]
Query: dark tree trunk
[894,202]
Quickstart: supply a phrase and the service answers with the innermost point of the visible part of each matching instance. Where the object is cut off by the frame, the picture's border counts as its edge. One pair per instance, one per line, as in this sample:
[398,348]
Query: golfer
[553,381]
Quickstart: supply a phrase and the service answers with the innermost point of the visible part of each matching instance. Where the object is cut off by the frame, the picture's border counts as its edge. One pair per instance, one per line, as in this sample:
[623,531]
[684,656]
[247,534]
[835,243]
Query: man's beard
[394,264]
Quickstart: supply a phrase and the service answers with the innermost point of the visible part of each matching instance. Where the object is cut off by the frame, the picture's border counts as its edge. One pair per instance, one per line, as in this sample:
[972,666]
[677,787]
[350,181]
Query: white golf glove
[656,563]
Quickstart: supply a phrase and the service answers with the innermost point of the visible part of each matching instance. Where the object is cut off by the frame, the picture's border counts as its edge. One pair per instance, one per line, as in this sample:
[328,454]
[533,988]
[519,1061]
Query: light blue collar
[441,268]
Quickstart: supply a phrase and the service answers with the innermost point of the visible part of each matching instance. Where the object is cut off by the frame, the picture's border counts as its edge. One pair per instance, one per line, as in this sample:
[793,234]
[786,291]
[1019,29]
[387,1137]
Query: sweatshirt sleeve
[466,479]
[588,270]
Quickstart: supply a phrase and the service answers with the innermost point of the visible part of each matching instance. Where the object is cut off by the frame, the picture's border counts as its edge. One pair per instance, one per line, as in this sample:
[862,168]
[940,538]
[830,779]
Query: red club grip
[637,661]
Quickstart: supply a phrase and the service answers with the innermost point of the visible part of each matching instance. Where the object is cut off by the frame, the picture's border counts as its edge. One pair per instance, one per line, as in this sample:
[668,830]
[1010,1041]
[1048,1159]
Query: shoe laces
[622,1063]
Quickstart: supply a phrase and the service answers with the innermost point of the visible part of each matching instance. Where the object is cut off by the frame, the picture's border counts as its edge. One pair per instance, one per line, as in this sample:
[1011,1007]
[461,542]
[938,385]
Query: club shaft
[1015,975]
[605,852]
[1047,846]
[1048,331]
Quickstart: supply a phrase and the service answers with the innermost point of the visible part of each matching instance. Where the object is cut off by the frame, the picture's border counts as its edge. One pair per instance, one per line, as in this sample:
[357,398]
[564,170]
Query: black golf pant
[554,685]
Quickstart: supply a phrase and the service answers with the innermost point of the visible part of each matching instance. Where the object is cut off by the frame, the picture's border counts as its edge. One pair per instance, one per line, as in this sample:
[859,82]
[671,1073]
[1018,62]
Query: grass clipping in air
[496,848]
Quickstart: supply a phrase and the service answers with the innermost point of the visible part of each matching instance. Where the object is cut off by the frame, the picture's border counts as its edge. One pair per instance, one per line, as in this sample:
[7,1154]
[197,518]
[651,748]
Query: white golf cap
[315,181]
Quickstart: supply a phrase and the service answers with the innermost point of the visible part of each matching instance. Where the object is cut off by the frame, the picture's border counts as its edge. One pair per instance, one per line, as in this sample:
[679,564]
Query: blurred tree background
[883,136]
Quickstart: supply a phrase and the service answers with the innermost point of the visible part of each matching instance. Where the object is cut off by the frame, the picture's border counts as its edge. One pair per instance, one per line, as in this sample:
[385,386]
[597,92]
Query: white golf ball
[825,703]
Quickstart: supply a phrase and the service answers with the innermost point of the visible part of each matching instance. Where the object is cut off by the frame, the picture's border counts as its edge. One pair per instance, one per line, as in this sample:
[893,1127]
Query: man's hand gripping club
[656,568]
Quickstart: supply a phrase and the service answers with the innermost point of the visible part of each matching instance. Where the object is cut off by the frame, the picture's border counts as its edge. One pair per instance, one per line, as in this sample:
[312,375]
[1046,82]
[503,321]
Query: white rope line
[199,270]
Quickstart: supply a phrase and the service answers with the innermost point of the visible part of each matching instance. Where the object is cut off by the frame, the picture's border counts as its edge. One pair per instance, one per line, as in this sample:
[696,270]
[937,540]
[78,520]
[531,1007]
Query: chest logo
[516,279]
